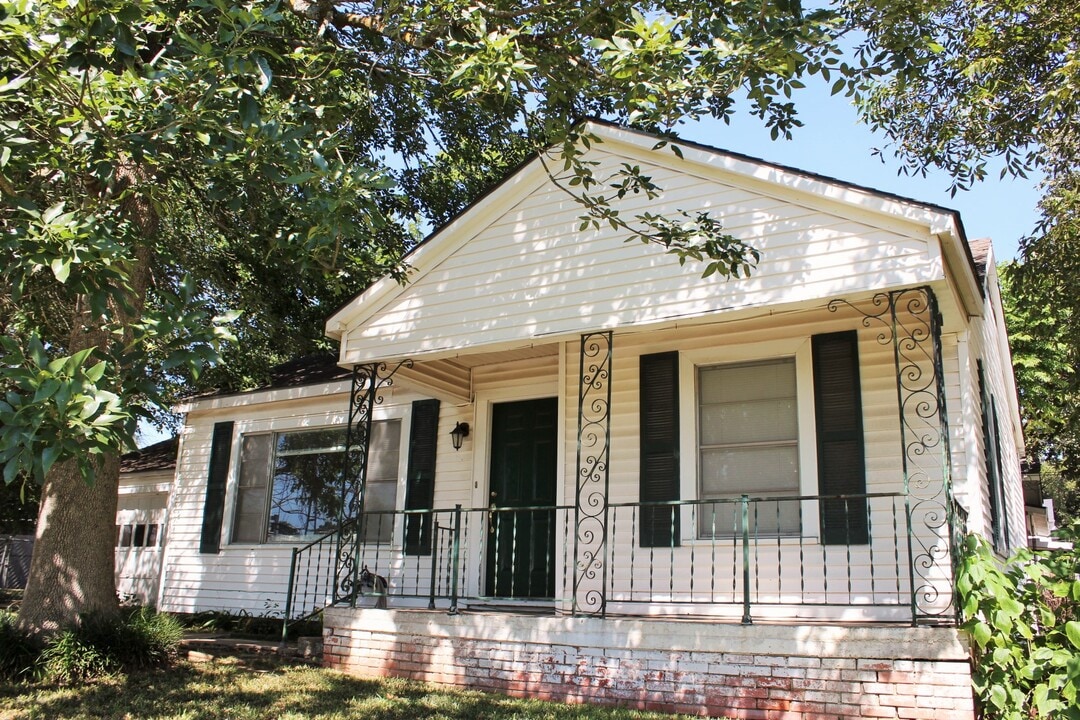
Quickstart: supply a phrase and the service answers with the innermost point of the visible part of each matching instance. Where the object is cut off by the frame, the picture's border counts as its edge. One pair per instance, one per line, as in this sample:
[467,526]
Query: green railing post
[434,560]
[455,551]
[744,503]
[289,598]
[911,560]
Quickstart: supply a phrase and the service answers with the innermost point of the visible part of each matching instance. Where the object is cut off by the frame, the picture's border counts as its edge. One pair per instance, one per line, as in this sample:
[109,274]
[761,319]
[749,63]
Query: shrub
[70,658]
[18,654]
[244,624]
[154,638]
[99,647]
[1024,619]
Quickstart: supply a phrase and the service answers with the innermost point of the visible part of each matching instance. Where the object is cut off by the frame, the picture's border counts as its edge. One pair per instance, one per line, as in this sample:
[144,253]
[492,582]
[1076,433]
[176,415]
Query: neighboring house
[146,477]
[611,479]
[1039,511]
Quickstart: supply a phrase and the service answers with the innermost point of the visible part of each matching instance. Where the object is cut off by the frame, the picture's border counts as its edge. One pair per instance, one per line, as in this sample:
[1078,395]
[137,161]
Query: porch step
[202,647]
[508,609]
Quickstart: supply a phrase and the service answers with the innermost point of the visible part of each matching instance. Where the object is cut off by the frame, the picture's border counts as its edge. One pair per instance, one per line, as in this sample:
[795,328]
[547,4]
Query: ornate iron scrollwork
[368,383]
[909,321]
[593,455]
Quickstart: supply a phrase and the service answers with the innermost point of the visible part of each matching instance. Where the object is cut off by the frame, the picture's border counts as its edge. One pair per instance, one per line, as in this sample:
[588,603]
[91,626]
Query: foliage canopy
[178,175]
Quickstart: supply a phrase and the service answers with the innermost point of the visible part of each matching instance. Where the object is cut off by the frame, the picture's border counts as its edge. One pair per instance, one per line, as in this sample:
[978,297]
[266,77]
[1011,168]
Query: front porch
[834,600]
[602,542]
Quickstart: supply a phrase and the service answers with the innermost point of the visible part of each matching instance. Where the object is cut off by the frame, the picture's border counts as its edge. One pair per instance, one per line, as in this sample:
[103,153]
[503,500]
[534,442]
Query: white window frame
[321,421]
[689,363]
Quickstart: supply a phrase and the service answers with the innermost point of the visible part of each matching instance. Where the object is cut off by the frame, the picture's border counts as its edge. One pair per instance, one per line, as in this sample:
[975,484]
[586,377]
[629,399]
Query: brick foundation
[766,672]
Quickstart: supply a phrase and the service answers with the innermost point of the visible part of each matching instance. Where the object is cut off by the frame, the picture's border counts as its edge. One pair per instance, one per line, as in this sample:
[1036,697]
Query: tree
[1048,382]
[165,165]
[1000,79]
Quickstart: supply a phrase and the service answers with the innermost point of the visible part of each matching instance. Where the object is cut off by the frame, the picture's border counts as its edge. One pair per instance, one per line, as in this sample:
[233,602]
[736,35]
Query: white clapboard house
[585,471]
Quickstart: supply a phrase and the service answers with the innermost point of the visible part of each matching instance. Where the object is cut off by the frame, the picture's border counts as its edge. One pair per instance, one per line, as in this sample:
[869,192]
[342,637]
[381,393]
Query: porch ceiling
[450,378]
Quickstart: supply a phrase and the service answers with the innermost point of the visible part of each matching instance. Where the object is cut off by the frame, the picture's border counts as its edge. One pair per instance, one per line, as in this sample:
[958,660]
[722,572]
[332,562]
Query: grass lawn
[287,692]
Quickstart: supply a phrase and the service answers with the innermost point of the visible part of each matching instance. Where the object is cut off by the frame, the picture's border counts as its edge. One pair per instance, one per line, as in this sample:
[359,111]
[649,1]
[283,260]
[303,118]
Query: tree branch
[325,14]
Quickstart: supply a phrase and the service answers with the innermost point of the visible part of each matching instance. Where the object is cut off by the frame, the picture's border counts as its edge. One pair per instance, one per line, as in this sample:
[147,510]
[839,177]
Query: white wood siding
[249,577]
[254,577]
[987,342]
[531,273]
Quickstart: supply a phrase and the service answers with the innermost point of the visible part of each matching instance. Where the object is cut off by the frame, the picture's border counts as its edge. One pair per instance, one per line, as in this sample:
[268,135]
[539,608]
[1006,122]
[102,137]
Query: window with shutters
[748,442]
[773,420]
[290,484]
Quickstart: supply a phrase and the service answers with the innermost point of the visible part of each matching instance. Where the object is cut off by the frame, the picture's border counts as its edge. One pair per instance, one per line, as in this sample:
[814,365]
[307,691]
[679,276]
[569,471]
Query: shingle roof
[308,370]
[980,255]
[159,456]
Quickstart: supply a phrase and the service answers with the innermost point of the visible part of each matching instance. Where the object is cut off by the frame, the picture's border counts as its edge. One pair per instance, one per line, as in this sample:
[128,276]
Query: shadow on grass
[218,690]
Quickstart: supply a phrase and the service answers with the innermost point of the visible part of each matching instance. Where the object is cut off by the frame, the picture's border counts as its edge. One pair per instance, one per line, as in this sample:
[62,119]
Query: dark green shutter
[659,433]
[991,457]
[841,456]
[420,485]
[217,478]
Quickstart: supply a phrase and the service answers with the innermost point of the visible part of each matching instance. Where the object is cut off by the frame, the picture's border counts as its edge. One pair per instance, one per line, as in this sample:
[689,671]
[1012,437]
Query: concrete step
[207,647]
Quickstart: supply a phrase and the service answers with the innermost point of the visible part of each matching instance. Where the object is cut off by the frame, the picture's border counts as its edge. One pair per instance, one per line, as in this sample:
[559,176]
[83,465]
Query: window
[290,484]
[748,442]
[137,535]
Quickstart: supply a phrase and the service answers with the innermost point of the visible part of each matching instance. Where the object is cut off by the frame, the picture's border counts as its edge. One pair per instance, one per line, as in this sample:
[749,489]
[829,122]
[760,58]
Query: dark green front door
[521,525]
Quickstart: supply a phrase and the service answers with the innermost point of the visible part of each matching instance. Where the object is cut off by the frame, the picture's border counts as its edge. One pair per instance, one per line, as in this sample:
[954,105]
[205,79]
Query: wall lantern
[459,433]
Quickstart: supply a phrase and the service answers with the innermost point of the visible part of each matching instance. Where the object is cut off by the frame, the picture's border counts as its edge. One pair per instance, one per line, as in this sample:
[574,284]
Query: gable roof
[749,179]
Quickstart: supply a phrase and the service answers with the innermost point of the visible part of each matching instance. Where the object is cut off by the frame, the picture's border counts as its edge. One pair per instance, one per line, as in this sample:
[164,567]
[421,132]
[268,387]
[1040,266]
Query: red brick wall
[694,681]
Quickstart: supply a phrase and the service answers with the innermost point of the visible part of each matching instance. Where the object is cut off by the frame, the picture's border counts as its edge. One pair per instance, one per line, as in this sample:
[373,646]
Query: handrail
[744,551]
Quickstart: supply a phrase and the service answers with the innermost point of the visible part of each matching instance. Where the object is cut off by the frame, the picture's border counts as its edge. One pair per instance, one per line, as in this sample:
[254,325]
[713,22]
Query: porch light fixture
[459,433]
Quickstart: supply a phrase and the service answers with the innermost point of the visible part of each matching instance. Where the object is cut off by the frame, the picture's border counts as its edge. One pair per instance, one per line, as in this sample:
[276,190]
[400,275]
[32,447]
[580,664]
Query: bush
[100,647]
[244,624]
[154,638]
[18,654]
[140,638]
[1023,619]
[70,658]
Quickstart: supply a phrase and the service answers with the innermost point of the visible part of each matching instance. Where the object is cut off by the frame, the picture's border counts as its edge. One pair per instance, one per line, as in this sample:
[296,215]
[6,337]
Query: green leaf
[12,85]
[52,213]
[981,634]
[49,456]
[266,75]
[93,374]
[998,696]
[1072,630]
[61,268]
[249,110]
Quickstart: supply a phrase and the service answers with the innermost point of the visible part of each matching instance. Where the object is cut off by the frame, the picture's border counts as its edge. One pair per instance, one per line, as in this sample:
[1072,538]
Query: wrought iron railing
[743,557]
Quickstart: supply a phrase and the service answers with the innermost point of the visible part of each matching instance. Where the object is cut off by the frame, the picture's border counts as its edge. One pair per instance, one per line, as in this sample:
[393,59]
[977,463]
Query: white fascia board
[143,487]
[772,180]
[439,246]
[260,397]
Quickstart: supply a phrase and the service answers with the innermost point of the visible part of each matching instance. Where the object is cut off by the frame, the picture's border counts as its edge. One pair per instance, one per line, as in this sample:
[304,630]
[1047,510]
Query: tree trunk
[72,570]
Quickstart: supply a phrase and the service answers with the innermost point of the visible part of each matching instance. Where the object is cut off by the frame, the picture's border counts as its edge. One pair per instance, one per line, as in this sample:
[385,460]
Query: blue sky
[833,143]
